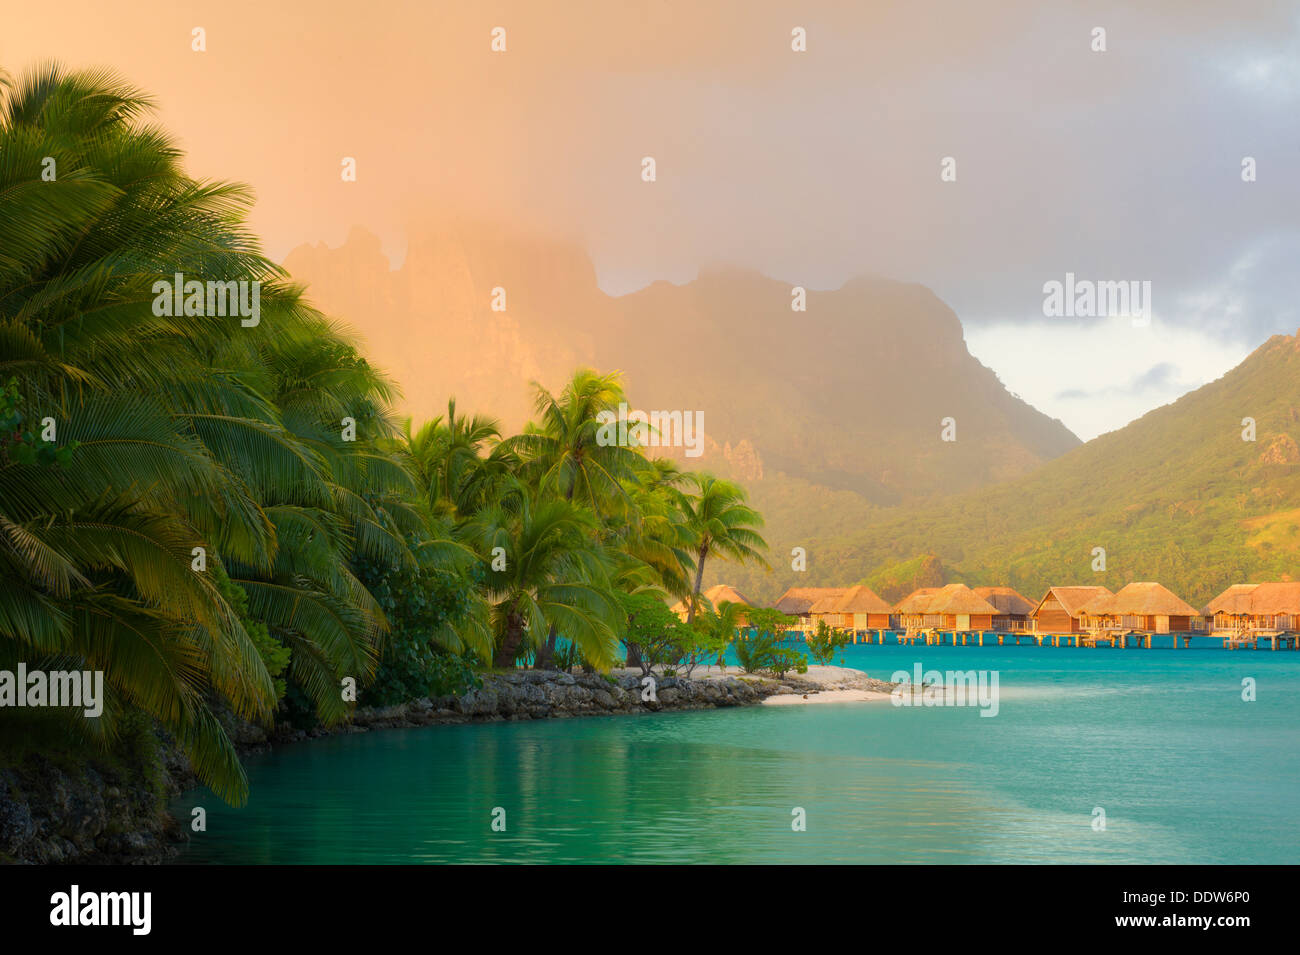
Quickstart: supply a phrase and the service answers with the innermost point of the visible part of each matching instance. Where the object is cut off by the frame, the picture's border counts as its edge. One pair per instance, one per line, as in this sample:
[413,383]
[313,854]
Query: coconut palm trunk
[509,647]
[699,580]
[546,652]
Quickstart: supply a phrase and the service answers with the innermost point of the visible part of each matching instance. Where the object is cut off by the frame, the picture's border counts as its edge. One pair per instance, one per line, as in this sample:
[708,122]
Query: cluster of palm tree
[564,523]
[175,489]
[196,449]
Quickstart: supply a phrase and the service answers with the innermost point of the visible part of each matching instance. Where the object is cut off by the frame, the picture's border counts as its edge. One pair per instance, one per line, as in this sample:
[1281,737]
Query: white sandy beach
[841,684]
[826,696]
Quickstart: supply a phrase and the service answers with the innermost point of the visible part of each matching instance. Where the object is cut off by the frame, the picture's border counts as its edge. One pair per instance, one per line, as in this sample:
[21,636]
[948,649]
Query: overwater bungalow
[1059,610]
[955,607]
[1013,610]
[717,594]
[861,608]
[824,610]
[799,601]
[1245,609]
[910,611]
[1145,607]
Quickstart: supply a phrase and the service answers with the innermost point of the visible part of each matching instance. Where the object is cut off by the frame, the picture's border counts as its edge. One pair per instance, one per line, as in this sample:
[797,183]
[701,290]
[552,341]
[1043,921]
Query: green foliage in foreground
[187,516]
[653,632]
[275,655]
[758,646]
[421,605]
[218,510]
[760,651]
[824,642]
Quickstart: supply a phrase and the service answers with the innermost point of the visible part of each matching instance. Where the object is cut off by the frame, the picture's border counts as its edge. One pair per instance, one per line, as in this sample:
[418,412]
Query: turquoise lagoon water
[1161,740]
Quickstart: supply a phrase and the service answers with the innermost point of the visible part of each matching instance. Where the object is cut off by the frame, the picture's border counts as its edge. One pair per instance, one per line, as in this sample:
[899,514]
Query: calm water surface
[1160,739]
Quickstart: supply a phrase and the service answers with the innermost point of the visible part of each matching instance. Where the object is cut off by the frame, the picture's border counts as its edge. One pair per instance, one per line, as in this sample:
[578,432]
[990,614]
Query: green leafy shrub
[824,642]
[415,660]
[758,646]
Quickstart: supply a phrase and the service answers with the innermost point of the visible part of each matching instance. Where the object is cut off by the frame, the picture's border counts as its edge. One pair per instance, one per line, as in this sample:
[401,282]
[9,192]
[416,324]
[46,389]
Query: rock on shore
[549,694]
[98,812]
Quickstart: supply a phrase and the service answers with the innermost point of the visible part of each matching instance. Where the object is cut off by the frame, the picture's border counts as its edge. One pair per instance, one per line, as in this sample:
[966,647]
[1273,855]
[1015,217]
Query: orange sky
[812,167]
[756,145]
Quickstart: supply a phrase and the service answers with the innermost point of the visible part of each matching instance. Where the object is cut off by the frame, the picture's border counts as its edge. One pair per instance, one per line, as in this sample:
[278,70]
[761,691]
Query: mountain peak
[829,394]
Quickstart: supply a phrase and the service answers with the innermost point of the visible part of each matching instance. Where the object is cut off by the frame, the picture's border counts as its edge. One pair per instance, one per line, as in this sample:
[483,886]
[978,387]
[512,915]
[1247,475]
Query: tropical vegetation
[221,512]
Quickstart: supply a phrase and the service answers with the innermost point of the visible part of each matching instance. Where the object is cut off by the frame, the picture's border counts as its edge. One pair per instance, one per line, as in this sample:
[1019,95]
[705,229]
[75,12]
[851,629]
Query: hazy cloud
[812,167]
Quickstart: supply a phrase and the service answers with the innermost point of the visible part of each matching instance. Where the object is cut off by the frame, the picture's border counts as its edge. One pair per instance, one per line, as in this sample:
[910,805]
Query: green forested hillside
[1177,496]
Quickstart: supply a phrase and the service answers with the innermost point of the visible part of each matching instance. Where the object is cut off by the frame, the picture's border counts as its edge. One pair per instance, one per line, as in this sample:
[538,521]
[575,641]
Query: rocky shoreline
[103,813]
[550,694]
[97,812]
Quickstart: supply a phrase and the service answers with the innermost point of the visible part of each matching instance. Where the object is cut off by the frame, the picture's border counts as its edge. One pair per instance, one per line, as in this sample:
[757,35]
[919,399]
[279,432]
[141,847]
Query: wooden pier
[1243,617]
[1246,640]
[1110,638]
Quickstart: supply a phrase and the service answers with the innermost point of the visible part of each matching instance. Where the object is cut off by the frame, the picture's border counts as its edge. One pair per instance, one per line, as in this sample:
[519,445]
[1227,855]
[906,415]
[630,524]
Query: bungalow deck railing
[1134,622]
[916,621]
[1256,623]
[1108,624]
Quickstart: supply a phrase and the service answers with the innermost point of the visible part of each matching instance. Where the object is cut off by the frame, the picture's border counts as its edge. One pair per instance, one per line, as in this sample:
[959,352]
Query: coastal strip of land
[553,694]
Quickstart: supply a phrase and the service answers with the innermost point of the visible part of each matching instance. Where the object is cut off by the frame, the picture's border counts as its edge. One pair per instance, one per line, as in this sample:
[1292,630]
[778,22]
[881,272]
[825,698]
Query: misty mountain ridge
[848,395]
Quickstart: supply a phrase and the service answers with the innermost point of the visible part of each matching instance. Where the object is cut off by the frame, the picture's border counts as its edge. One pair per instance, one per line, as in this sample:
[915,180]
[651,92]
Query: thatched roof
[1271,598]
[952,599]
[826,604]
[918,601]
[1072,599]
[725,593]
[1143,599]
[1006,600]
[958,598]
[717,594]
[1236,599]
[861,599]
[799,600]
[1281,597]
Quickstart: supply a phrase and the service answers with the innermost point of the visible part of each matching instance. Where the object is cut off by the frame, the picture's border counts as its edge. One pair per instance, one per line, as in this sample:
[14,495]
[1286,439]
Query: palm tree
[309,594]
[721,624]
[720,523]
[447,456]
[266,454]
[565,453]
[653,529]
[547,571]
[182,440]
